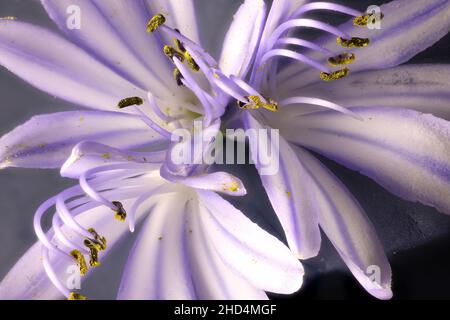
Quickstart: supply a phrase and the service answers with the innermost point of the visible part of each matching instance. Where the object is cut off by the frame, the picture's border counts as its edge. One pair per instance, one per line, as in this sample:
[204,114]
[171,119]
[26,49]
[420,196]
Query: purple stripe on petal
[403,150]
[46,141]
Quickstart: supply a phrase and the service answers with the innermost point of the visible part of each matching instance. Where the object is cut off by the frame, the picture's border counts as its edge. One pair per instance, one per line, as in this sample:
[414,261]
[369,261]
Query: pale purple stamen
[296,56]
[304,43]
[308,23]
[324,6]
[318,102]
[38,228]
[190,82]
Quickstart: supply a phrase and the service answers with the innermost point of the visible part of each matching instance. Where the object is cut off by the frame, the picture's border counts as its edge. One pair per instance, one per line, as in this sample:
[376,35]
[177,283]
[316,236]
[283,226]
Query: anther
[76,296]
[101,241]
[120,212]
[191,62]
[155,22]
[341,59]
[77,255]
[178,77]
[94,249]
[171,52]
[128,102]
[179,45]
[256,103]
[354,42]
[364,20]
[335,75]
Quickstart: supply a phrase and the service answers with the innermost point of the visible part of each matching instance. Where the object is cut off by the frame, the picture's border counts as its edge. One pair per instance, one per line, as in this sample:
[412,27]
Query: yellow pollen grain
[336,75]
[363,21]
[93,248]
[342,59]
[353,42]
[257,103]
[106,156]
[155,22]
[120,213]
[131,101]
[76,296]
[233,186]
[191,62]
[77,255]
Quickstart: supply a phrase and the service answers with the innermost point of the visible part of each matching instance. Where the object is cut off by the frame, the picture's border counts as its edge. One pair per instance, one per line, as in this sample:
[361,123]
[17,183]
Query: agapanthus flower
[386,121]
[139,66]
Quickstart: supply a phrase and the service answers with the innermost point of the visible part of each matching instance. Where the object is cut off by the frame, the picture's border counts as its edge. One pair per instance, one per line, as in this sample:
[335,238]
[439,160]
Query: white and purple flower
[194,244]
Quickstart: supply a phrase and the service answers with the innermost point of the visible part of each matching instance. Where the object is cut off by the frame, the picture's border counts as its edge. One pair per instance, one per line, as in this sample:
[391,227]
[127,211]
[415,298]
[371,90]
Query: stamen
[256,103]
[293,55]
[342,59]
[178,44]
[308,23]
[336,75]
[101,241]
[76,296]
[353,42]
[324,6]
[128,102]
[155,22]
[364,20]
[171,52]
[77,255]
[120,213]
[94,248]
[303,43]
[178,77]
[191,62]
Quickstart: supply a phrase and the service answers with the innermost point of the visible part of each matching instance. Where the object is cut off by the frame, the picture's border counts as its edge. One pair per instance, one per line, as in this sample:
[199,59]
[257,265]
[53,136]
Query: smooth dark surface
[416,237]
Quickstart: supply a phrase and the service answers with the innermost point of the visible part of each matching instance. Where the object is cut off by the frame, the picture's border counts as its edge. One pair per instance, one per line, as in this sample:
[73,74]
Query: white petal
[41,58]
[98,35]
[242,38]
[157,266]
[351,232]
[46,141]
[288,192]
[212,278]
[250,251]
[405,151]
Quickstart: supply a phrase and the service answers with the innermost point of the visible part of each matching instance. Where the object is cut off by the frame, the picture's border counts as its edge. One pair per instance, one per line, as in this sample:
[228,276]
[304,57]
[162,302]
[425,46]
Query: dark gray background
[415,236]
